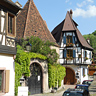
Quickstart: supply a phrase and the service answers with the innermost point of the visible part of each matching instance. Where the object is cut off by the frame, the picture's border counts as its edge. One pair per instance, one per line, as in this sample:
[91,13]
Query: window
[90,55]
[1,80]
[85,53]
[69,39]
[10,24]
[83,72]
[69,53]
[4,81]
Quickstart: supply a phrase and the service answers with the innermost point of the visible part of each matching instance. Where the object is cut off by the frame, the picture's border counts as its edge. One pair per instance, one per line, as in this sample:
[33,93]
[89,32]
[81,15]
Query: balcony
[77,60]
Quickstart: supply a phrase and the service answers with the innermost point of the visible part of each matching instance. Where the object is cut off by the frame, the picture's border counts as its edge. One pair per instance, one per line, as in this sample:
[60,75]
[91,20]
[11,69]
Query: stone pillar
[94,76]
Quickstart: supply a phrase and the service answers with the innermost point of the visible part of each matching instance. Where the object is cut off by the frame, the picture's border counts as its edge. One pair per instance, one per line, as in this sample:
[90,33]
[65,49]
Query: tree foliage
[22,64]
[56,74]
[92,38]
[41,47]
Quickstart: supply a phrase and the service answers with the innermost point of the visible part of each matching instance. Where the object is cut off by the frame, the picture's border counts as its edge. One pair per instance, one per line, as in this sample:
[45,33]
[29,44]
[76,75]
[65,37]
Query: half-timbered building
[8,11]
[75,52]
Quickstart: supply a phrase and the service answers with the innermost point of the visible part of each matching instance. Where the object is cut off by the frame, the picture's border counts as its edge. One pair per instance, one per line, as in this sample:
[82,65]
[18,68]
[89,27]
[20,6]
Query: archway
[35,80]
[70,76]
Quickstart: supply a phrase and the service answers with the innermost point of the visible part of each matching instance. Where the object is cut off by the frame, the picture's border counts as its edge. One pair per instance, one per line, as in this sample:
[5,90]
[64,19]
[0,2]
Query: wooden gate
[70,76]
[35,80]
[91,71]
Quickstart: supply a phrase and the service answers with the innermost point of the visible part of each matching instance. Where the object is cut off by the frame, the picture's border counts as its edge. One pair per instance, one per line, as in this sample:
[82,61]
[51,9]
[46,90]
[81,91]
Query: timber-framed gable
[75,52]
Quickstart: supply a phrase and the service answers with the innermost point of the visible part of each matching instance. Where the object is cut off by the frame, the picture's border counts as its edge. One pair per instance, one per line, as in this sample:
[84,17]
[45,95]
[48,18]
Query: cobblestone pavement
[92,89]
[58,93]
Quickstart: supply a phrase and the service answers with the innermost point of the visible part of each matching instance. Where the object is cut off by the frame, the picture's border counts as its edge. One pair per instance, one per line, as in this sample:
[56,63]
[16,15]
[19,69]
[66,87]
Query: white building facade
[8,11]
[75,52]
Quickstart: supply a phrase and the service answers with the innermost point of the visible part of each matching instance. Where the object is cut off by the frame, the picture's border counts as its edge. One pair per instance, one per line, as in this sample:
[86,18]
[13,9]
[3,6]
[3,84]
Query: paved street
[92,89]
[58,93]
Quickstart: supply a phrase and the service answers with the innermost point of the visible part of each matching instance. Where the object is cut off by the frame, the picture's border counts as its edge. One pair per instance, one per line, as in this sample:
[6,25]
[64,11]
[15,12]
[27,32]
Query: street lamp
[28,46]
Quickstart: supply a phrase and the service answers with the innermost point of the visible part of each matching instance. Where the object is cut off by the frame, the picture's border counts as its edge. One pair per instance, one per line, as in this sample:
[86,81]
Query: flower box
[69,44]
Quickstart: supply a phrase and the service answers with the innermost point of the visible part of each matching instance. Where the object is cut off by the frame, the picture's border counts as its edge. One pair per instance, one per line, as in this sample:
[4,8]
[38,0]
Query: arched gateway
[35,80]
[70,76]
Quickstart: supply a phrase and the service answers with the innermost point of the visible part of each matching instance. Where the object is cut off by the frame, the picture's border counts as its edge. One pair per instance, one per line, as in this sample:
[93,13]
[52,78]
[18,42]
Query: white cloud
[82,4]
[91,1]
[90,12]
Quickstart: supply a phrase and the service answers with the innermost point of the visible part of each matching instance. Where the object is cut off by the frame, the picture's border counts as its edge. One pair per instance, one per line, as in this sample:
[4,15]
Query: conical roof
[68,24]
[30,23]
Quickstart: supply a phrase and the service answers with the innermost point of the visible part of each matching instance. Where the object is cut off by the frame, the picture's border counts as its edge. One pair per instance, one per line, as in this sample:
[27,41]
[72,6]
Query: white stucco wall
[7,63]
[86,73]
[2,27]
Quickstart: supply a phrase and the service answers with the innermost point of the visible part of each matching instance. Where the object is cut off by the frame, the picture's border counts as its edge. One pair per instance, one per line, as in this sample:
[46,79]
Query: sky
[54,12]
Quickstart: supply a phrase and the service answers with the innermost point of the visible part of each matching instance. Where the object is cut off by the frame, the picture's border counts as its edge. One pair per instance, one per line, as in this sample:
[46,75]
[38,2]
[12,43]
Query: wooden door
[70,76]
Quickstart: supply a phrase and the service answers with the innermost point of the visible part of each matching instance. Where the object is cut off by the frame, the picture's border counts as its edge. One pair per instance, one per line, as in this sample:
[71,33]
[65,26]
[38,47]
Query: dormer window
[69,39]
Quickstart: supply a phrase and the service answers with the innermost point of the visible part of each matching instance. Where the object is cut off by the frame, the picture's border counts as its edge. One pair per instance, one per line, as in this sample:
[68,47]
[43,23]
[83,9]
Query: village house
[30,23]
[8,12]
[75,52]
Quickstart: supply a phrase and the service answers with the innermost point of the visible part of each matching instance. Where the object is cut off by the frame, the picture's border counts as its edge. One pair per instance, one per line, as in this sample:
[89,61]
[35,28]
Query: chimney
[88,40]
[71,12]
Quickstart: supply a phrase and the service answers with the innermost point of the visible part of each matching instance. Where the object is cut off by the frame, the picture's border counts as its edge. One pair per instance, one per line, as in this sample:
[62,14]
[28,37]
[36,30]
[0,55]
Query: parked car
[82,86]
[87,82]
[75,92]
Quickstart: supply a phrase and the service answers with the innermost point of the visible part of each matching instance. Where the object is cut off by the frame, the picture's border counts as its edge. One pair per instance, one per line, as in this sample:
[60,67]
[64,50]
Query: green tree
[41,47]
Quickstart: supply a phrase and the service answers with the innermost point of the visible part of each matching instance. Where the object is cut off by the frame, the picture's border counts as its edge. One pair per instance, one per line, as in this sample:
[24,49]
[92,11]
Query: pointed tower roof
[30,23]
[68,24]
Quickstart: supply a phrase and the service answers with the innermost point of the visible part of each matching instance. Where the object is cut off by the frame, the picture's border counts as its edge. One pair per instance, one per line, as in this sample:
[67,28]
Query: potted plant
[79,56]
[84,75]
[67,58]
[71,58]
[69,44]
[86,58]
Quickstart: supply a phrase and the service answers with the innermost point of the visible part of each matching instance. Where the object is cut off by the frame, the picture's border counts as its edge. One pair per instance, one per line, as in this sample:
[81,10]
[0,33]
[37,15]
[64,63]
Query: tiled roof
[68,24]
[30,23]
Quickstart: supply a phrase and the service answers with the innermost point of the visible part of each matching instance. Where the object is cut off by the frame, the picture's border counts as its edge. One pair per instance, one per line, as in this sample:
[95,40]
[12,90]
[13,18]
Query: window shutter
[84,53]
[65,52]
[73,39]
[74,53]
[7,75]
[64,39]
[90,55]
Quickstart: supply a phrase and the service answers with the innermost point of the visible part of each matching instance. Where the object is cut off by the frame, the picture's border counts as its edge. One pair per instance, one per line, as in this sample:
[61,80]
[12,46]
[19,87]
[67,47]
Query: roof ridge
[26,16]
[72,21]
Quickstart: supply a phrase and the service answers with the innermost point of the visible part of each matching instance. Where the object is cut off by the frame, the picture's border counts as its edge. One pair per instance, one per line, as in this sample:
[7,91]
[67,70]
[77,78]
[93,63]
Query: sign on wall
[22,91]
